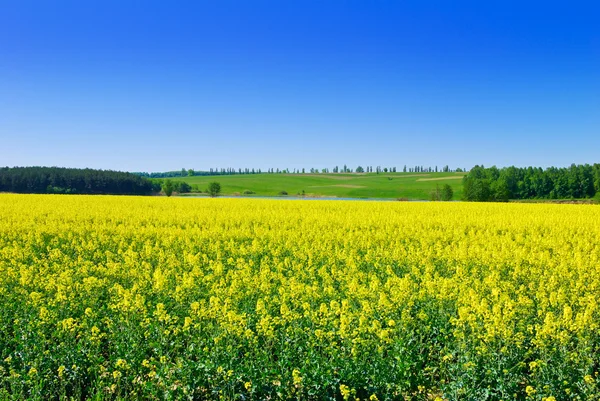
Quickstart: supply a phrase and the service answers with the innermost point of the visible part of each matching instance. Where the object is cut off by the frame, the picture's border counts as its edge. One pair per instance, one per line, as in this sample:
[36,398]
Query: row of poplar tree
[337,169]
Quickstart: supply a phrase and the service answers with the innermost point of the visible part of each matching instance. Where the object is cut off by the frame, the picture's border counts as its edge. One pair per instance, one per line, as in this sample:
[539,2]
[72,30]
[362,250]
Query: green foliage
[214,189]
[500,191]
[282,193]
[476,188]
[59,180]
[447,193]
[168,187]
[182,187]
[573,182]
[436,194]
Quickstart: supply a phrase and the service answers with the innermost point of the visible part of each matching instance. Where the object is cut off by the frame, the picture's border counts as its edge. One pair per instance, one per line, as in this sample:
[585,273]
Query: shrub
[248,192]
[447,193]
[168,187]
[214,189]
[283,193]
[183,187]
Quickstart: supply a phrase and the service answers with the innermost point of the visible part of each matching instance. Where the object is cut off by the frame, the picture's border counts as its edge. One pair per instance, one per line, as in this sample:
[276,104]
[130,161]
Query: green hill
[353,185]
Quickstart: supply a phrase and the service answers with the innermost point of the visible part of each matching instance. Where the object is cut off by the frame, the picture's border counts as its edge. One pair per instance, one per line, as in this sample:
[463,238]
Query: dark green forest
[494,184]
[60,180]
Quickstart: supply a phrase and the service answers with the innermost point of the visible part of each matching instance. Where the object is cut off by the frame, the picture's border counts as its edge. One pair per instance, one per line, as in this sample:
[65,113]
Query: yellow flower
[296,377]
[345,391]
[121,364]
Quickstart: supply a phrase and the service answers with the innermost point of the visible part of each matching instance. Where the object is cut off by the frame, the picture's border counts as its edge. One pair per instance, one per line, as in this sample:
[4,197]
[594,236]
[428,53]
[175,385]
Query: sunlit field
[241,299]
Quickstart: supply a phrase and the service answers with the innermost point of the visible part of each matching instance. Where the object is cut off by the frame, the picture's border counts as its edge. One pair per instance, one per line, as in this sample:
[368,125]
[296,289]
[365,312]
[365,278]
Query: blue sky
[157,85]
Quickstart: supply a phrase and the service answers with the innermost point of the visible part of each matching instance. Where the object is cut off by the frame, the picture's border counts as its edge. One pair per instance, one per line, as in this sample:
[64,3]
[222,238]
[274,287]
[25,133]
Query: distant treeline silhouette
[494,184]
[337,169]
[60,180]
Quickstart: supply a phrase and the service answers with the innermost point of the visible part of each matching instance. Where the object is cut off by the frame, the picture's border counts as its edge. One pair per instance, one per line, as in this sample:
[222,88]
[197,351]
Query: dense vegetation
[150,298]
[59,180]
[493,184]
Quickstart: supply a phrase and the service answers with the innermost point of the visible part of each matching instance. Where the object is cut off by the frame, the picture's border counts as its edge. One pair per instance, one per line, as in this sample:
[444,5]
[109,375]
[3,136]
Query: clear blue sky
[161,85]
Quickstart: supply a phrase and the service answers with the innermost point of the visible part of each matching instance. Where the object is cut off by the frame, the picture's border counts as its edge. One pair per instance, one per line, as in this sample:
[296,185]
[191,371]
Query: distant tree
[447,193]
[168,187]
[302,170]
[214,189]
[385,170]
[404,169]
[190,172]
[436,194]
[459,170]
[476,186]
[500,190]
[183,172]
[182,187]
[359,169]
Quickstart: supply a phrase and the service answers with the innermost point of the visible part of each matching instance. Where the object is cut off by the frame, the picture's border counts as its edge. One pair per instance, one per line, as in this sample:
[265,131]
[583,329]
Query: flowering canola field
[236,299]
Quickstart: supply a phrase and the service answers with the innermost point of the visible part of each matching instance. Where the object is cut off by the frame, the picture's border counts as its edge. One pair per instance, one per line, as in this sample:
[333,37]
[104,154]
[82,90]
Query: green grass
[372,185]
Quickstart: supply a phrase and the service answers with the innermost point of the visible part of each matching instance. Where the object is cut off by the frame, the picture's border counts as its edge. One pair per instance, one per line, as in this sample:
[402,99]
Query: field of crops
[240,299]
[385,185]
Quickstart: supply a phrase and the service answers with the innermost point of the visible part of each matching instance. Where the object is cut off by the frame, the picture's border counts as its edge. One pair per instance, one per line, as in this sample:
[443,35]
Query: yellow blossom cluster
[155,297]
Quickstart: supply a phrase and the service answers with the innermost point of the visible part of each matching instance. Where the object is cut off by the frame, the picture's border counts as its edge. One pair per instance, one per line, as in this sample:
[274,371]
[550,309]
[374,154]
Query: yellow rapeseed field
[240,299]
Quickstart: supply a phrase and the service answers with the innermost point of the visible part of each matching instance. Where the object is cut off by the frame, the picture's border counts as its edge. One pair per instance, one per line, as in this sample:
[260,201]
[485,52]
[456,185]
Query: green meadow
[413,186]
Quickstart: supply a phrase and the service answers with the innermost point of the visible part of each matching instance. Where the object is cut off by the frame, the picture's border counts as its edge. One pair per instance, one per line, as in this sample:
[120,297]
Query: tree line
[494,184]
[61,180]
[337,169]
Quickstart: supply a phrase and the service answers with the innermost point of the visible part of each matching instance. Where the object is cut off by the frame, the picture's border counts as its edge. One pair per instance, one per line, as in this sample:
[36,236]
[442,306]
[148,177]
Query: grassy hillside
[388,185]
